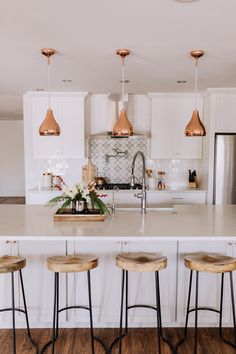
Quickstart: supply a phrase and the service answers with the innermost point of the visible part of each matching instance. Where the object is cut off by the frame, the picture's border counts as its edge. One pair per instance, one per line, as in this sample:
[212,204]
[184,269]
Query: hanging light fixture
[195,127]
[123,127]
[49,126]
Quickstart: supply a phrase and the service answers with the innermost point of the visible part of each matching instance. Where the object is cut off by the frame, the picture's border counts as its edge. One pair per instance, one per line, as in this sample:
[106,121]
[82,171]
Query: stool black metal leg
[126,302]
[90,312]
[188,303]
[54,311]
[57,306]
[13,313]
[159,324]
[121,310]
[221,304]
[196,314]
[25,307]
[233,305]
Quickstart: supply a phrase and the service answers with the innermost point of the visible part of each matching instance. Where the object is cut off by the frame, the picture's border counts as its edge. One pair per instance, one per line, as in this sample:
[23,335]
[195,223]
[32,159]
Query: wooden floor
[139,341]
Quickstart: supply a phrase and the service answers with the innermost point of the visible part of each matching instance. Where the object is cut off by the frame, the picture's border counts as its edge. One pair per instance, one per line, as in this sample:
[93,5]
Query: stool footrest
[205,309]
[142,306]
[11,309]
[73,307]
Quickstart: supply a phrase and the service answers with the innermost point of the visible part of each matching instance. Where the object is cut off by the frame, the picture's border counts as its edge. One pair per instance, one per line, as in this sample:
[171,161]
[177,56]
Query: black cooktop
[119,185]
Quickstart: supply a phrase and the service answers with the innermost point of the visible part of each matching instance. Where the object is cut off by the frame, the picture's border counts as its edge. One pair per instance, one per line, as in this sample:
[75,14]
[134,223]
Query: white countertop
[192,222]
[179,190]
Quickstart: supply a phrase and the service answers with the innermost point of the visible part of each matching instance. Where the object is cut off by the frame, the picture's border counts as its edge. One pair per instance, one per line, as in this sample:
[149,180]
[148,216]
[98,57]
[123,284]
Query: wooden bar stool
[71,264]
[12,264]
[212,263]
[139,262]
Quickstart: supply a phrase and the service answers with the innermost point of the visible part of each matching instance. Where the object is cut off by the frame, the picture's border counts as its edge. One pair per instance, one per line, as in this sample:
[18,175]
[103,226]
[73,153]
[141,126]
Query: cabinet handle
[230,243]
[177,198]
[11,242]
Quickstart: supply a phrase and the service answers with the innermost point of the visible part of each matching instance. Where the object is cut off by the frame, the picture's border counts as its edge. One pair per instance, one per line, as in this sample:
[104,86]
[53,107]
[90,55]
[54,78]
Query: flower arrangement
[77,195]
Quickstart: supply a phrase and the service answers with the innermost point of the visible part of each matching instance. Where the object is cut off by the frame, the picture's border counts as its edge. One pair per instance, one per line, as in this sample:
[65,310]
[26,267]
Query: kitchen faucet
[113,208]
[142,194]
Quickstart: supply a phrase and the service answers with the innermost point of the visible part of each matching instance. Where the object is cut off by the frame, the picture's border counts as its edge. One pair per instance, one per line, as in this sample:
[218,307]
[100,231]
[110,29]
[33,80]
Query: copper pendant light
[49,126]
[195,127]
[123,127]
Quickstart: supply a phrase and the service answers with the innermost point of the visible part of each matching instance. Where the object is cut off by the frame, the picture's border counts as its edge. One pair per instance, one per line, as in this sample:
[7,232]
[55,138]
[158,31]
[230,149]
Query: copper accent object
[123,127]
[195,127]
[49,125]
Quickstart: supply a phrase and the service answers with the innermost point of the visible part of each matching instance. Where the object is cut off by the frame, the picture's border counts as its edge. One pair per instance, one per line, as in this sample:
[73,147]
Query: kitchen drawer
[184,197]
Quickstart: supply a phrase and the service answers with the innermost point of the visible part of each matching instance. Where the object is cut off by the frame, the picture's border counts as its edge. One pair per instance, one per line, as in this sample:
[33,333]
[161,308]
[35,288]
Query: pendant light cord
[49,92]
[196,82]
[123,80]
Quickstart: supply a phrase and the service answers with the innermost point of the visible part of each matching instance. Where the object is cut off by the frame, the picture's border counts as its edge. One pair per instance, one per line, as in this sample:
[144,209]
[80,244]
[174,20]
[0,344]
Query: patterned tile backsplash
[113,156]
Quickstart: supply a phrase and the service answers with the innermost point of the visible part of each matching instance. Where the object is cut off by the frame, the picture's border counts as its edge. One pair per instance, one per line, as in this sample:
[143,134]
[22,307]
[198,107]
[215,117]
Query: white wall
[12,178]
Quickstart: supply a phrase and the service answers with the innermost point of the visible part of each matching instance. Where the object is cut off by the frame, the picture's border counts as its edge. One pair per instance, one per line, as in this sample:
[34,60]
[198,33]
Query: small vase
[77,206]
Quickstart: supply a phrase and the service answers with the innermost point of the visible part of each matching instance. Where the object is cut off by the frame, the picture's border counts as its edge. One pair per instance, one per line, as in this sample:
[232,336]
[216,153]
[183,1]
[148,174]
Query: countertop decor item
[89,172]
[49,125]
[195,126]
[79,199]
[123,127]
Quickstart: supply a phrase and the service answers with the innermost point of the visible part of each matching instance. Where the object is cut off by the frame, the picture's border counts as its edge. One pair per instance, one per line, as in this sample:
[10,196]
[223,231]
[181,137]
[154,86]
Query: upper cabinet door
[169,116]
[225,121]
[68,110]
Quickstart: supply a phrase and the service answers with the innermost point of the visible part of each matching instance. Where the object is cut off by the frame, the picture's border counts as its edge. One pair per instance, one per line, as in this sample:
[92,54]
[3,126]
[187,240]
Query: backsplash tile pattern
[117,169]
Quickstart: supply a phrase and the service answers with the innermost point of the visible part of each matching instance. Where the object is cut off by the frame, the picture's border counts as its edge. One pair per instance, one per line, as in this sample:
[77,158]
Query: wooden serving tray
[68,216]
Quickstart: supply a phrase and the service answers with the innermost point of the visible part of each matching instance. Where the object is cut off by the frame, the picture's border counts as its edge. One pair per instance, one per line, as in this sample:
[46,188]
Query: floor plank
[139,341]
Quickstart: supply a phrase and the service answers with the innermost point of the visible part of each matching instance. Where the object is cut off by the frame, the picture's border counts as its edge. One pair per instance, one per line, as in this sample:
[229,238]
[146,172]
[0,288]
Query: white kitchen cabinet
[142,285]
[224,112]
[105,285]
[68,110]
[39,281]
[170,113]
[209,285]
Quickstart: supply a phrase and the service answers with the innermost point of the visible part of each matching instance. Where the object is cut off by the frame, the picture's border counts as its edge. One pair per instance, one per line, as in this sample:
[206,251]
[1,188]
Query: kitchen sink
[123,186]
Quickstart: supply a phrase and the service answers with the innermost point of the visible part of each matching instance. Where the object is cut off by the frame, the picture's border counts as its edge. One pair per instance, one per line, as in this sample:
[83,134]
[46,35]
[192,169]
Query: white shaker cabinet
[68,110]
[170,113]
[223,109]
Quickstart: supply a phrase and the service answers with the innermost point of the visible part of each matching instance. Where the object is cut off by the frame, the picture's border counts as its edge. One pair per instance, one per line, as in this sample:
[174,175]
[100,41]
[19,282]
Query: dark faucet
[142,194]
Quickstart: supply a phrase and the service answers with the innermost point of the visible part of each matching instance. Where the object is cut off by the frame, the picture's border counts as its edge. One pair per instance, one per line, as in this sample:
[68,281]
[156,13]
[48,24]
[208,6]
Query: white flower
[70,191]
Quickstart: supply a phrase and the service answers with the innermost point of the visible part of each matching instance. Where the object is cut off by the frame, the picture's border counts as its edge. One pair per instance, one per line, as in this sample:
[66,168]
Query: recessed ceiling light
[181,81]
[126,81]
[39,89]
[66,80]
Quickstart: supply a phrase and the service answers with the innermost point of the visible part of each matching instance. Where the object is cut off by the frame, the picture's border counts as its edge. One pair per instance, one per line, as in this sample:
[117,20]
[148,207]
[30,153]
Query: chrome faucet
[113,208]
[142,194]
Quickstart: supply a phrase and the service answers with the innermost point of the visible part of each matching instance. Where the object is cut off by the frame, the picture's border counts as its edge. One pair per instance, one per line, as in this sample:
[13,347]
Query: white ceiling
[86,34]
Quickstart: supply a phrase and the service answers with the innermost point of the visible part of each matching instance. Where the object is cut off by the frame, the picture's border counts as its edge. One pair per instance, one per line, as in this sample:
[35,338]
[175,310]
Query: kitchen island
[31,232]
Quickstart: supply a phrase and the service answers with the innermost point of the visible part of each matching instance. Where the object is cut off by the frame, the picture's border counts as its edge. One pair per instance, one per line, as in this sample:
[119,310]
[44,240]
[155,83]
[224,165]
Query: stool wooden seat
[141,262]
[9,264]
[210,262]
[72,263]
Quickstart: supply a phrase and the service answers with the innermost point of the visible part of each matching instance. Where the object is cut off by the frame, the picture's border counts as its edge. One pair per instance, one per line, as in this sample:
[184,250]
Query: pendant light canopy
[49,126]
[123,127]
[195,126]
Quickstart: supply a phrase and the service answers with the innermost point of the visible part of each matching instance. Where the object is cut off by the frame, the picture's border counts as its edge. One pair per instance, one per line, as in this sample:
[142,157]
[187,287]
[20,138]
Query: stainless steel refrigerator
[225,169]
